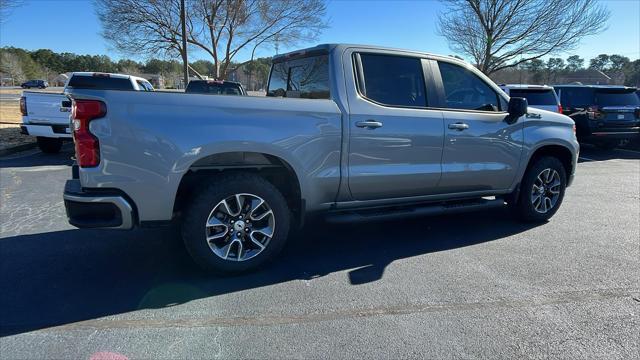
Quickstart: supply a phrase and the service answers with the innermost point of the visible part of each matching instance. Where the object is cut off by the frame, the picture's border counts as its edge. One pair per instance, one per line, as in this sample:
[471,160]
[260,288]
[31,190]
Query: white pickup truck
[46,115]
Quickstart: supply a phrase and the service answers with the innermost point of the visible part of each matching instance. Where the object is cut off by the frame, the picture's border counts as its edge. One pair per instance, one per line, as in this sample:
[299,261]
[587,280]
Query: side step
[391,213]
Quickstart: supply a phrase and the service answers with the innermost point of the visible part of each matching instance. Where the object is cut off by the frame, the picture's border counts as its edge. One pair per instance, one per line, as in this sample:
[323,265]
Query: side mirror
[517,107]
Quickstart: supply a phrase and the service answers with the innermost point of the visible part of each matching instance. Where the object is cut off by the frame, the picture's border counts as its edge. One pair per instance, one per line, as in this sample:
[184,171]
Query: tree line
[20,65]
[619,69]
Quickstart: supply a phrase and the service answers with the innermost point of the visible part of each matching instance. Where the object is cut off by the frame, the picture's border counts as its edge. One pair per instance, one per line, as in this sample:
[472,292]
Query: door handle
[458,126]
[369,124]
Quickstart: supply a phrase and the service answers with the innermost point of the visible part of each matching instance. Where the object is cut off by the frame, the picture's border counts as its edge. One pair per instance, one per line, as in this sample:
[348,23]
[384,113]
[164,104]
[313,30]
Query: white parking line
[39,168]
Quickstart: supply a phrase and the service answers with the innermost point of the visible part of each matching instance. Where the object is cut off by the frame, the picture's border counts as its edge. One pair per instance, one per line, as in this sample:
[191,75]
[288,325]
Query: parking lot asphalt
[472,285]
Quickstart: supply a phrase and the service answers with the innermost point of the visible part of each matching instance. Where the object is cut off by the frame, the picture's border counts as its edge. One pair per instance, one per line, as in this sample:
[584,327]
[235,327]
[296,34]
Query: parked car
[215,87]
[539,96]
[40,84]
[352,133]
[46,115]
[604,115]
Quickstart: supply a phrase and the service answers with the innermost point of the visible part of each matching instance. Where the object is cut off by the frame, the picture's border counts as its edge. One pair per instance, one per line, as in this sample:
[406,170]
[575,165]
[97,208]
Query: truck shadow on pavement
[590,153]
[58,278]
[37,158]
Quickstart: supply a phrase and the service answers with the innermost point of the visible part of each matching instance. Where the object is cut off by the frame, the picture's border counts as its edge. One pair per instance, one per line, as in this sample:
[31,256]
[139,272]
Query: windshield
[535,97]
[100,82]
[617,98]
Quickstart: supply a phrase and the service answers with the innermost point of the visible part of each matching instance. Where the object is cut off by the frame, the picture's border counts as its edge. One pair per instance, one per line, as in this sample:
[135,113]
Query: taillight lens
[560,108]
[87,145]
[23,105]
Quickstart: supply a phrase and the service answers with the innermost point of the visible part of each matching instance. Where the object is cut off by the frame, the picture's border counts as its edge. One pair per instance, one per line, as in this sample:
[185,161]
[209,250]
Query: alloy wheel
[240,227]
[545,191]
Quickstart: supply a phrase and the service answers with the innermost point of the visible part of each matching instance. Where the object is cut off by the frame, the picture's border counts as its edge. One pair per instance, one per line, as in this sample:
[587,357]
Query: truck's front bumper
[88,209]
[50,131]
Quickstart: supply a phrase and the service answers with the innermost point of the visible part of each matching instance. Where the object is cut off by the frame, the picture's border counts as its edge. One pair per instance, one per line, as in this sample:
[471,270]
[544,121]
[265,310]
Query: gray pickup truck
[354,133]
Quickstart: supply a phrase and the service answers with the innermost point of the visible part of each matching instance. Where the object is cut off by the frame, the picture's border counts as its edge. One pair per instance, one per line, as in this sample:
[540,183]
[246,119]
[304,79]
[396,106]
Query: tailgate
[45,108]
[619,114]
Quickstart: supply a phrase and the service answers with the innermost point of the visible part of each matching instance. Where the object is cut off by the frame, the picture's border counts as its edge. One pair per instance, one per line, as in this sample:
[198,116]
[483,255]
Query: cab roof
[526,86]
[327,48]
[615,87]
[112,75]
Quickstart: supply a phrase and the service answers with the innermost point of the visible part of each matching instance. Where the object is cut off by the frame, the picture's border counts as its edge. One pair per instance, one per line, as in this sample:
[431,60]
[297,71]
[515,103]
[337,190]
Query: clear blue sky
[72,26]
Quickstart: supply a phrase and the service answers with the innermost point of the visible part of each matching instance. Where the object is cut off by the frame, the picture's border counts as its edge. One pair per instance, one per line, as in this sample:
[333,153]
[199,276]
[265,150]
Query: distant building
[251,82]
[6,80]
[586,76]
[156,80]
[60,80]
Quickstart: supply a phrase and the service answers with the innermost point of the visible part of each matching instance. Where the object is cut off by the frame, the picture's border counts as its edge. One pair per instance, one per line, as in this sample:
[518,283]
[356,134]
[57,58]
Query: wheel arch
[273,168]
[561,152]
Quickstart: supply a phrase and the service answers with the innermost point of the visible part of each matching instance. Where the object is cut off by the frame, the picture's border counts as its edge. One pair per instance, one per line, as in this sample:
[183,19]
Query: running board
[393,213]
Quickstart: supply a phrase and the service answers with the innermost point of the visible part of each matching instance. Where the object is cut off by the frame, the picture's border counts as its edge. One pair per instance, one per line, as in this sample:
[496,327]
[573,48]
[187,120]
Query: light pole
[185,62]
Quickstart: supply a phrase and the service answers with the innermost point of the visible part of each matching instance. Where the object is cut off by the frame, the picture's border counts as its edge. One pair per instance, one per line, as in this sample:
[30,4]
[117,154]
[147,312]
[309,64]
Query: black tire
[49,145]
[525,206]
[205,200]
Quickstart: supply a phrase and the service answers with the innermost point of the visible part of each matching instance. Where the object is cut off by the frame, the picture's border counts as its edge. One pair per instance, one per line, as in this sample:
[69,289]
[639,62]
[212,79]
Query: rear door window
[393,80]
[100,82]
[306,77]
[535,97]
[466,91]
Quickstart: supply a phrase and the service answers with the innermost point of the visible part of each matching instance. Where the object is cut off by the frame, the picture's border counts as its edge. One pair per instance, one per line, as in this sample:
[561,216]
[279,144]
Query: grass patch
[10,112]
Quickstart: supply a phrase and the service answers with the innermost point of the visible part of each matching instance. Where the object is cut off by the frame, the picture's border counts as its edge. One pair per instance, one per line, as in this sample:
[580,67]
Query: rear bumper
[87,209]
[615,134]
[50,131]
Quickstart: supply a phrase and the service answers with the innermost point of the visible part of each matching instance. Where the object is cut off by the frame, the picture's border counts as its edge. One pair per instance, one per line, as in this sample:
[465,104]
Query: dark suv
[604,115]
[40,84]
[215,87]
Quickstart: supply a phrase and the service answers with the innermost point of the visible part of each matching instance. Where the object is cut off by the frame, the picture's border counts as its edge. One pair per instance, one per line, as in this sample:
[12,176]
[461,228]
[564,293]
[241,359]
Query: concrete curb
[17,148]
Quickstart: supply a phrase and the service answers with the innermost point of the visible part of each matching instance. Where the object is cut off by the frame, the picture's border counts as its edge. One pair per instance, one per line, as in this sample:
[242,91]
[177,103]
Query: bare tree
[10,64]
[220,28]
[498,34]
[6,8]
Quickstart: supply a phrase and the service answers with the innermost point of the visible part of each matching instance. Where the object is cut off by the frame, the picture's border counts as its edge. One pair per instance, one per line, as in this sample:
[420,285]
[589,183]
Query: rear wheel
[542,189]
[236,224]
[49,145]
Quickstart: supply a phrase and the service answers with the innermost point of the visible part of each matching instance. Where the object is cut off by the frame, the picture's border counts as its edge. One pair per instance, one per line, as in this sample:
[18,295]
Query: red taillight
[560,108]
[23,105]
[87,145]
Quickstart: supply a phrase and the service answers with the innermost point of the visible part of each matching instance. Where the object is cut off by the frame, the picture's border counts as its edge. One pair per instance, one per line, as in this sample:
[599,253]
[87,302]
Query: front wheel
[236,224]
[542,190]
[49,145]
